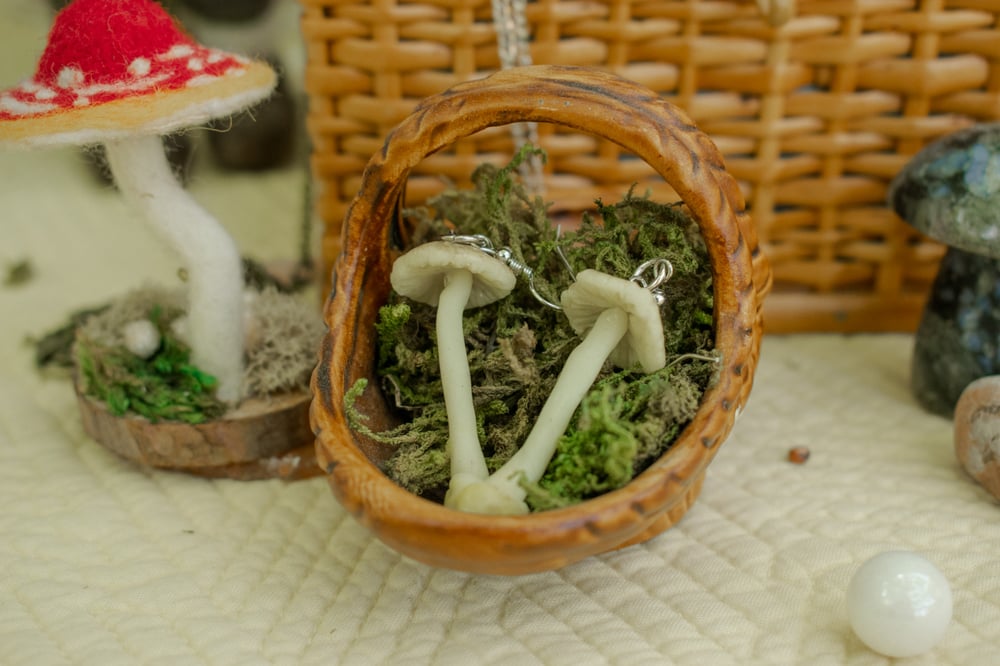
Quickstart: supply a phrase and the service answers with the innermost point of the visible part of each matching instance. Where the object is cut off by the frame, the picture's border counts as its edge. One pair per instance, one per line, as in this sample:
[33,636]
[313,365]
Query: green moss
[420,463]
[621,428]
[517,347]
[164,387]
[283,332]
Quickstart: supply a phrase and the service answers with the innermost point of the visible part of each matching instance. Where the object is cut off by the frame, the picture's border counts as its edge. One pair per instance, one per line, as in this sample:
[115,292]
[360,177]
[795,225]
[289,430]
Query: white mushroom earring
[619,320]
[454,277]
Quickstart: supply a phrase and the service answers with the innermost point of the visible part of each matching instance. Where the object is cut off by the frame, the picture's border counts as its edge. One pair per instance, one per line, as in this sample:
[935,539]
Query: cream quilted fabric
[103,563]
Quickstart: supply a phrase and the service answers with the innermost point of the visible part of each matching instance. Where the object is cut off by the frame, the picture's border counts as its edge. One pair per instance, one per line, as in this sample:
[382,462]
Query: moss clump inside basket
[517,346]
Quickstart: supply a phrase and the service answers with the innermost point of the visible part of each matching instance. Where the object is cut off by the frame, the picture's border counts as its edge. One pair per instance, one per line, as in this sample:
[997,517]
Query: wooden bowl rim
[651,128]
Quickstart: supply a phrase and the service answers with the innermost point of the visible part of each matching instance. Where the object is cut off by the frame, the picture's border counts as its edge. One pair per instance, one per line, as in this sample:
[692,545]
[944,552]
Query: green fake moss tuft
[164,387]
[517,346]
[283,333]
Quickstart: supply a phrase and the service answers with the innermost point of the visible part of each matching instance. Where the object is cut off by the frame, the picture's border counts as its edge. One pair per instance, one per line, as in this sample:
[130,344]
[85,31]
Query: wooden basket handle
[587,100]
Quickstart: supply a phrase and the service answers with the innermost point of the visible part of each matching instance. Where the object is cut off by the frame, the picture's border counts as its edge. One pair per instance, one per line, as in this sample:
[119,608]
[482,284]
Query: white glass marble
[899,604]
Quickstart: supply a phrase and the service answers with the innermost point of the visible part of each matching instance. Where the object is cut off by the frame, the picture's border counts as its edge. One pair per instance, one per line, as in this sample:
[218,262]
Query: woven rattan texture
[814,117]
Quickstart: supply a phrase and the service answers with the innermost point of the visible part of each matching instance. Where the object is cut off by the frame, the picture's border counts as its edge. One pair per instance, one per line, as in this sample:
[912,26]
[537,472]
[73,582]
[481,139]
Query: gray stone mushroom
[950,191]
[619,321]
[454,277]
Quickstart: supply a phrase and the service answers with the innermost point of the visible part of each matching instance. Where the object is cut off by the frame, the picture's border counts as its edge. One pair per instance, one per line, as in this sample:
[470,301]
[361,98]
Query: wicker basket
[814,117]
[597,104]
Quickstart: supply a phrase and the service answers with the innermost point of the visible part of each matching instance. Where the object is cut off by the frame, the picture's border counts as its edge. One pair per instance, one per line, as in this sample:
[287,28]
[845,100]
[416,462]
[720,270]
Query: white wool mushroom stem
[210,256]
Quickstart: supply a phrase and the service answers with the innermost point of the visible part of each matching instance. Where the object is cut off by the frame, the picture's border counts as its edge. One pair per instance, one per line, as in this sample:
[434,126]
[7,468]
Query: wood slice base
[260,439]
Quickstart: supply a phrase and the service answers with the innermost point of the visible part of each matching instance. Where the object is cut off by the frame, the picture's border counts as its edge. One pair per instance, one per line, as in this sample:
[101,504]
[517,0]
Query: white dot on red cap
[21,108]
[69,77]
[200,80]
[196,64]
[179,51]
[215,57]
[8,103]
[140,67]
[45,93]
[81,101]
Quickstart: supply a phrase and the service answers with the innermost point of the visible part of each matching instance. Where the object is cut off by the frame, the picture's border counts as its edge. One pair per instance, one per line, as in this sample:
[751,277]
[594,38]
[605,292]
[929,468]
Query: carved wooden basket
[665,138]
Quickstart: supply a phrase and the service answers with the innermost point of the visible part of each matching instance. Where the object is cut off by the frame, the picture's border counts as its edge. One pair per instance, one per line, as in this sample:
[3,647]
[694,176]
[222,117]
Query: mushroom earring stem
[581,369]
[215,276]
[456,382]
[619,321]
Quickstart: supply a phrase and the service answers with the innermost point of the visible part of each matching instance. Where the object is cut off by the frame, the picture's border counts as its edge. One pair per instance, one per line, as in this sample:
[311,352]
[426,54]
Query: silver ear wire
[650,274]
[562,255]
[506,255]
[661,270]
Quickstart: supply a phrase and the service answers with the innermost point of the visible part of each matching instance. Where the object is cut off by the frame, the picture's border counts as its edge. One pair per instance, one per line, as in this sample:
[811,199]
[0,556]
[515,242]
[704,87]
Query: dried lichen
[106,327]
[516,347]
[281,344]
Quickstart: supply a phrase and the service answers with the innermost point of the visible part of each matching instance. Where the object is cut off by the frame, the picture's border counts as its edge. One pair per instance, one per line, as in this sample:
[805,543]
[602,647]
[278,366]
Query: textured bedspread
[104,563]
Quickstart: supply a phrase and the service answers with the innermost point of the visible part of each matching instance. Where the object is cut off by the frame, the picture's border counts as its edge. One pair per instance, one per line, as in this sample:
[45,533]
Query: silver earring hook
[711,358]
[562,255]
[506,255]
[650,274]
[661,269]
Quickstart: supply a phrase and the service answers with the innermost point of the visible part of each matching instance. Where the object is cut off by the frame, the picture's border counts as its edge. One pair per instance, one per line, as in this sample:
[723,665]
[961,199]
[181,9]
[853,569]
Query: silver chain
[511,24]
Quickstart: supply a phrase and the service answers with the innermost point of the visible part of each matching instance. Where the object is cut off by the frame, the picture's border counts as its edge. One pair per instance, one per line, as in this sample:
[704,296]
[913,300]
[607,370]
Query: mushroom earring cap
[593,292]
[420,273]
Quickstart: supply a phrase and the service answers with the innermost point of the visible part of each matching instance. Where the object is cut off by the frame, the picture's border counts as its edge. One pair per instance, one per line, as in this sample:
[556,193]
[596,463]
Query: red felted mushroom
[122,73]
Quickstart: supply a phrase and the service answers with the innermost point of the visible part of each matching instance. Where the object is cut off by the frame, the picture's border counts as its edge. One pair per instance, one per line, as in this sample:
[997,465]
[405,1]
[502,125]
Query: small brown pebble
[798,454]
